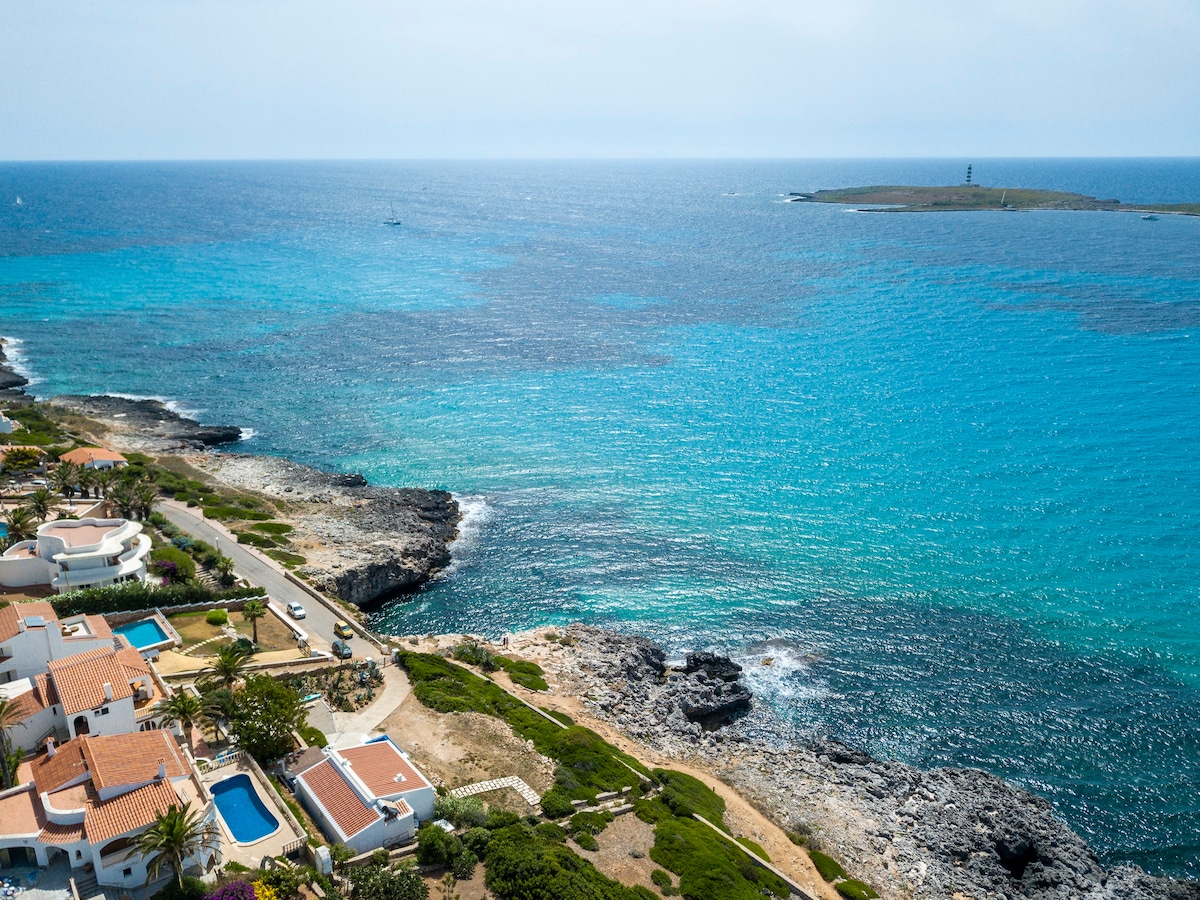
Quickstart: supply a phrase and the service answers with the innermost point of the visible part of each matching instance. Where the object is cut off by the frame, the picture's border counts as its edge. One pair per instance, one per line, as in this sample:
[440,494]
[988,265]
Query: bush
[500,818]
[589,822]
[463,865]
[288,559]
[436,847]
[234,513]
[217,617]
[475,655]
[170,560]
[523,864]
[855,890]
[686,795]
[663,881]
[829,868]
[135,595]
[586,841]
[556,804]
[235,890]
[193,889]
[476,840]
[524,673]
[708,866]
[275,528]
[314,736]
[254,540]
[462,812]
[754,847]
[551,831]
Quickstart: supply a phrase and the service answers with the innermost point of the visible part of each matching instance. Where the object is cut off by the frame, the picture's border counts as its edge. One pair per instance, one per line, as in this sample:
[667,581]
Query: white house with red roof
[94,458]
[31,635]
[88,800]
[78,553]
[365,797]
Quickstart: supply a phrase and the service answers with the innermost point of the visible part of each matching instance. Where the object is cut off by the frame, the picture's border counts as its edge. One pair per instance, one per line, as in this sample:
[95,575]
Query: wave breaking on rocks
[929,835]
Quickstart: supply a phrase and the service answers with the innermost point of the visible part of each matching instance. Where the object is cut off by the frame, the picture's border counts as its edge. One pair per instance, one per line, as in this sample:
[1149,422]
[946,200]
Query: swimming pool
[241,809]
[143,633]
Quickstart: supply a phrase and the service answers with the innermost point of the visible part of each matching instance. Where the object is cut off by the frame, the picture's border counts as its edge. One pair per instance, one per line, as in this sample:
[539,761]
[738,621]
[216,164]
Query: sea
[941,471]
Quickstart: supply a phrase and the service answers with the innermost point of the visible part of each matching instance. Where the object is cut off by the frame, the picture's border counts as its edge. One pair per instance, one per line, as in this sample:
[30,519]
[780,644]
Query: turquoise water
[142,634]
[244,814]
[940,468]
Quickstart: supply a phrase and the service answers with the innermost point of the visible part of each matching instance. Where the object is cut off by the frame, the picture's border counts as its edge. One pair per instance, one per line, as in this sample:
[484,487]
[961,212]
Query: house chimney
[21,625]
[50,751]
[162,770]
[107,691]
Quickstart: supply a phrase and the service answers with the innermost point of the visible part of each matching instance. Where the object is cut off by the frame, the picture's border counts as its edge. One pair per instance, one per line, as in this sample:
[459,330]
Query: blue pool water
[247,818]
[143,633]
[941,468]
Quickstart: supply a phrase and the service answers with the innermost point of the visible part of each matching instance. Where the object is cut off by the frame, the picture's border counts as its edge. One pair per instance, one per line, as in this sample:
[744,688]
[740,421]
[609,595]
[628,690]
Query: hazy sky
[106,79]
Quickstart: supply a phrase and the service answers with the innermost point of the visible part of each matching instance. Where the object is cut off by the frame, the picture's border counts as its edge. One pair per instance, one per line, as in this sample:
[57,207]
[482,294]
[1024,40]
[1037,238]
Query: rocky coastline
[362,543]
[12,383]
[927,835]
[146,425]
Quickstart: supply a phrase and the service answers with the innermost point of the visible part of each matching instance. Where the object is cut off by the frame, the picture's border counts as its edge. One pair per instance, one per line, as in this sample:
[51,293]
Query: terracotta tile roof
[98,625]
[107,819]
[132,660]
[84,455]
[34,701]
[382,769]
[131,758]
[345,807]
[80,679]
[53,833]
[51,772]
[307,759]
[20,813]
[11,615]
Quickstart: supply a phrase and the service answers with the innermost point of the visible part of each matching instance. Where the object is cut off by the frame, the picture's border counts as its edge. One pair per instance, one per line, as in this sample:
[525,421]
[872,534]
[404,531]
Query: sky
[357,79]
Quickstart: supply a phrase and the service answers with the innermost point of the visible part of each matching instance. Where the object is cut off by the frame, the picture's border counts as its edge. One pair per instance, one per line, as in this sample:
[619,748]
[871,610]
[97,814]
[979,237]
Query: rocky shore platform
[362,543]
[942,834]
[12,383]
[147,426]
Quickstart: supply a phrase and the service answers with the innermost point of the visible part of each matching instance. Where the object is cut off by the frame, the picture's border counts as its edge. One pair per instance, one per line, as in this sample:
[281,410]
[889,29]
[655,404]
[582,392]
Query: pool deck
[271,845]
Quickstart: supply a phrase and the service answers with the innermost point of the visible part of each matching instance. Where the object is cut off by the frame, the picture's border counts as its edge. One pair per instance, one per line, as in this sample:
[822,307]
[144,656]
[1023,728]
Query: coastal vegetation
[134,595]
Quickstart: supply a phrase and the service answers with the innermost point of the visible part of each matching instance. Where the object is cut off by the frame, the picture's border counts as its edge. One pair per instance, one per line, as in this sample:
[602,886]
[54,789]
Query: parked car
[342,650]
[295,610]
[343,630]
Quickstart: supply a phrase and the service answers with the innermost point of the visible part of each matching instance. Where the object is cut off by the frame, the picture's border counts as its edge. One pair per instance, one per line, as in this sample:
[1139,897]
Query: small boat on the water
[1150,217]
[393,220]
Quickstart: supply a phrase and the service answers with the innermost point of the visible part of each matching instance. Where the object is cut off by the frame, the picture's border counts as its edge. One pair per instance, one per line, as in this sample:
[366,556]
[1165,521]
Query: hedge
[137,595]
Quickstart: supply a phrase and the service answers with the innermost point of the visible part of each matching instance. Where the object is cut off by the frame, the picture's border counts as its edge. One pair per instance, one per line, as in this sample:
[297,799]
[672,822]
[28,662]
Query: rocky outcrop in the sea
[148,425]
[362,543]
[928,835]
[12,384]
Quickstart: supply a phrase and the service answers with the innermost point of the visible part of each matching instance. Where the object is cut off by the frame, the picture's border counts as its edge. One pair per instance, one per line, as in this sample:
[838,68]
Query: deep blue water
[941,468]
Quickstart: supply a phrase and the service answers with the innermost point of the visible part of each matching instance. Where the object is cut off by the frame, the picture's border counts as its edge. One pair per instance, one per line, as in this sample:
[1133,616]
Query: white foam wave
[781,674]
[474,513]
[246,434]
[18,361]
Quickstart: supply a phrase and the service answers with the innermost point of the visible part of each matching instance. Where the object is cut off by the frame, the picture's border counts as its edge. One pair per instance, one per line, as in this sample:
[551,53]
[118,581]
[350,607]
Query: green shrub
[664,882]
[686,795]
[463,865]
[436,847]
[288,559]
[754,847]
[556,804]
[192,889]
[234,513]
[642,892]
[462,812]
[829,868]
[796,838]
[474,654]
[314,736]
[521,863]
[500,818]
[855,890]
[709,866]
[217,617]
[476,840]
[275,528]
[586,841]
[173,562]
[135,595]
[560,716]
[589,822]
[526,674]
[551,831]
[253,539]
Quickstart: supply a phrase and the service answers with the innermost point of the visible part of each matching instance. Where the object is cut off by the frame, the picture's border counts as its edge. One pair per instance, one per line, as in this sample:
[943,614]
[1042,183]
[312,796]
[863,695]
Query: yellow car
[344,631]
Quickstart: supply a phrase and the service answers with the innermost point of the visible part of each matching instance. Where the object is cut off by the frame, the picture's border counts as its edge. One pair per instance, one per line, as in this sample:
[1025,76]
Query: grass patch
[685,796]
[524,673]
[754,847]
[523,863]
[274,528]
[285,557]
[254,539]
[710,868]
[235,514]
[855,890]
[828,867]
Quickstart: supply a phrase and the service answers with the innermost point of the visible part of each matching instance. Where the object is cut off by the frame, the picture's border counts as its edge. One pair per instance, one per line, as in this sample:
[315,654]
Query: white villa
[365,797]
[78,553]
[94,458]
[87,801]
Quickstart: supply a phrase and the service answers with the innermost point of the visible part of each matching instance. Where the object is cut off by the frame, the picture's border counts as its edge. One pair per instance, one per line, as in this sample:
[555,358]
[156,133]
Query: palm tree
[176,836]
[144,497]
[228,666]
[121,498]
[87,481]
[252,612]
[103,480]
[65,479]
[8,718]
[184,708]
[20,525]
[40,504]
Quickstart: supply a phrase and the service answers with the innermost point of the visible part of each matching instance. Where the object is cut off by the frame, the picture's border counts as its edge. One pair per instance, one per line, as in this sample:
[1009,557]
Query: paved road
[264,573]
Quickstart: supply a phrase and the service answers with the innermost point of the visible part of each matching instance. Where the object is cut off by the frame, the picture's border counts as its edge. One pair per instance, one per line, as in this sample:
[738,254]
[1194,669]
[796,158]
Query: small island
[893,198]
